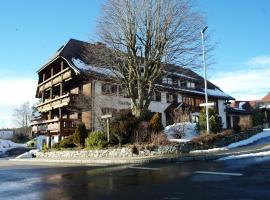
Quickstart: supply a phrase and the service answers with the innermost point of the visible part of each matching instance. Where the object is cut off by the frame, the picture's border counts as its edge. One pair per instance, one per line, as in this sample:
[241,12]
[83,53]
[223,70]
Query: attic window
[167,80]
[108,89]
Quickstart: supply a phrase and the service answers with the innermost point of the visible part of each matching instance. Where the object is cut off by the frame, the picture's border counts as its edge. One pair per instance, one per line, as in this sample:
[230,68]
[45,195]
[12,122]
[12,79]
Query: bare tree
[22,117]
[144,35]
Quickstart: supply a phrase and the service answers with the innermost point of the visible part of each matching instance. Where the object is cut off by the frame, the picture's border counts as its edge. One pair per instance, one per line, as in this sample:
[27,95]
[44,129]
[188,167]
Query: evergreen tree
[80,134]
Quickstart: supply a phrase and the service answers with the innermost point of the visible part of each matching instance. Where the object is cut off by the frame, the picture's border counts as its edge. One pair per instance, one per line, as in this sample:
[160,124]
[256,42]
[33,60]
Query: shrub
[20,138]
[156,123]
[32,143]
[208,139]
[56,146]
[245,123]
[215,121]
[158,139]
[122,128]
[80,135]
[96,140]
[44,146]
[67,142]
[146,116]
[257,117]
[141,133]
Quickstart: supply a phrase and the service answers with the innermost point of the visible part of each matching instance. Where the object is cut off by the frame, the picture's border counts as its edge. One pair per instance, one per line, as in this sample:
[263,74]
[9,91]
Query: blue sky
[31,31]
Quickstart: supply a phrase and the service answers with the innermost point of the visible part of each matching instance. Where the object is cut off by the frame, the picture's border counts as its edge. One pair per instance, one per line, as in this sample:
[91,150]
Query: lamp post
[205,81]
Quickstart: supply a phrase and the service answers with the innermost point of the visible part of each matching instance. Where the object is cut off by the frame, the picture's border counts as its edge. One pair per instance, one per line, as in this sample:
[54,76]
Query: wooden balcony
[57,78]
[57,102]
[55,126]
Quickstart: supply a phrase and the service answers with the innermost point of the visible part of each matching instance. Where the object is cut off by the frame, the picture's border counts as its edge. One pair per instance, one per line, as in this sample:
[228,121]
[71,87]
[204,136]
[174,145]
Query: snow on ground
[189,129]
[264,134]
[28,154]
[209,150]
[7,145]
[254,138]
[249,155]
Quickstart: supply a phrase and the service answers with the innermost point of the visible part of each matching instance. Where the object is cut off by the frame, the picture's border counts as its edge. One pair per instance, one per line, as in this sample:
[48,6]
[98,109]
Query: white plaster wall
[117,102]
[222,113]
[54,139]
[156,106]
[107,101]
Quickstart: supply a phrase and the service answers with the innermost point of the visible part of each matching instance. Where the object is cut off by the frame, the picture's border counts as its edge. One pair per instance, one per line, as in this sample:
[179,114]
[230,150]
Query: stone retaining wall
[138,151]
[107,153]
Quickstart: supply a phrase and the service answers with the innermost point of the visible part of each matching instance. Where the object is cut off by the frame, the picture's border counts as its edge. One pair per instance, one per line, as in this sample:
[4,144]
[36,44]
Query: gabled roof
[266,98]
[90,58]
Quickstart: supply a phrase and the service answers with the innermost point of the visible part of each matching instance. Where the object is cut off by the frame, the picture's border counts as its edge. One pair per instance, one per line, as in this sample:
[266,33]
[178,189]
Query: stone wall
[108,153]
[224,141]
[139,151]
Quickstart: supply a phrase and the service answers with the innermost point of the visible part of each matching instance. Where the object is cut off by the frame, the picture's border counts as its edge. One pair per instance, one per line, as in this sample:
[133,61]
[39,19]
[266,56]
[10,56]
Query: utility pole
[205,82]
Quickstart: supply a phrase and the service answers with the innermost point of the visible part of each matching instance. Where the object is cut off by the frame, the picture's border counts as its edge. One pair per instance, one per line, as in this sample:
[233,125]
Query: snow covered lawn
[264,134]
[7,145]
[248,155]
[254,138]
[189,129]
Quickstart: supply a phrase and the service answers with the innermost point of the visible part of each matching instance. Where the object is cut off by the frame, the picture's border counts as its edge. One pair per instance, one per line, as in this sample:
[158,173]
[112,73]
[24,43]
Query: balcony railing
[57,78]
[57,102]
[62,126]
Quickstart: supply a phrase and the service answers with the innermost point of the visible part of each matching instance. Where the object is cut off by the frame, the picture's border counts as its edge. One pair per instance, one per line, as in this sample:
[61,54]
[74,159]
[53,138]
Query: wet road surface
[154,181]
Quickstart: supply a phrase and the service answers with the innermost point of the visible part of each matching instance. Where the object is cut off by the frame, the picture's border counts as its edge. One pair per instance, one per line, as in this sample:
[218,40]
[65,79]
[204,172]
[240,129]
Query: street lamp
[205,82]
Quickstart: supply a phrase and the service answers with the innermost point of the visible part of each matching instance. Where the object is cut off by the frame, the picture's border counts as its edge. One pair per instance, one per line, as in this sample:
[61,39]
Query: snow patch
[254,138]
[209,150]
[100,70]
[189,129]
[249,155]
[264,134]
[216,92]
[6,145]
[28,154]
[241,104]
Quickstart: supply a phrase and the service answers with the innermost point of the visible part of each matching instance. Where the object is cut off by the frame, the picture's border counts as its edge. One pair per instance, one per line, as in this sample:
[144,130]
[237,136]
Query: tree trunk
[138,112]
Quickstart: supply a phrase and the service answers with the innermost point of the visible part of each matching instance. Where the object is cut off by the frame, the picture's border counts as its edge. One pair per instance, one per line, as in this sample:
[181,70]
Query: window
[167,80]
[171,98]
[123,92]
[190,85]
[106,111]
[156,96]
[109,89]
[188,101]
[183,84]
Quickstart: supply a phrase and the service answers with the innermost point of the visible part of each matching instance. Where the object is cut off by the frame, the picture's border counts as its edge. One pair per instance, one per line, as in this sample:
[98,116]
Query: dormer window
[167,80]
[187,84]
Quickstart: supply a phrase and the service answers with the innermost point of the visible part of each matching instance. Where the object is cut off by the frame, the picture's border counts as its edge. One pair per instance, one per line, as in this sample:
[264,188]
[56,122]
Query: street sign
[106,116]
[207,104]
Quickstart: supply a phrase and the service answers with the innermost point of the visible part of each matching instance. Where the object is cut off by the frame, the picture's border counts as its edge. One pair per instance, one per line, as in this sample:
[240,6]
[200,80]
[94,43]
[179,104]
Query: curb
[145,160]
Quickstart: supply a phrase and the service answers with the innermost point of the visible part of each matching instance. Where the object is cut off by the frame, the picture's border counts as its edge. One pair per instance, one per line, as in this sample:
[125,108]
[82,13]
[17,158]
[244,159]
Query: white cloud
[251,83]
[259,61]
[14,92]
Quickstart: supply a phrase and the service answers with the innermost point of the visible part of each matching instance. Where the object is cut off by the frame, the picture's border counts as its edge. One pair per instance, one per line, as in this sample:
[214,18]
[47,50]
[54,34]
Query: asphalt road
[251,180]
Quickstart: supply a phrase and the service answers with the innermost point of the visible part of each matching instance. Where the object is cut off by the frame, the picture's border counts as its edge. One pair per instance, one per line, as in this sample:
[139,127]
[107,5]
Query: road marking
[219,173]
[145,168]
